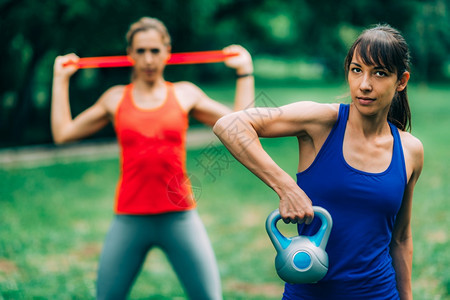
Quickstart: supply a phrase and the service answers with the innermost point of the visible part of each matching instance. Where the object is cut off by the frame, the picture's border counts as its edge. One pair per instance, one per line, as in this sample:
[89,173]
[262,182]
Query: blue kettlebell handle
[281,242]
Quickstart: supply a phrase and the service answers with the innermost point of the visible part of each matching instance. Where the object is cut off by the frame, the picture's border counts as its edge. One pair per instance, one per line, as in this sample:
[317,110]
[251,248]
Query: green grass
[54,218]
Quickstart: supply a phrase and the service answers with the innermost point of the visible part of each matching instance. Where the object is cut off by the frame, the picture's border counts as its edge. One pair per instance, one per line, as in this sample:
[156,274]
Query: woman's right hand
[65,71]
[295,206]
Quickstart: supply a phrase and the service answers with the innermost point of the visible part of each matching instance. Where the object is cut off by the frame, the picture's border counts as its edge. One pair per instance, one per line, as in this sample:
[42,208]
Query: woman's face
[149,54]
[372,87]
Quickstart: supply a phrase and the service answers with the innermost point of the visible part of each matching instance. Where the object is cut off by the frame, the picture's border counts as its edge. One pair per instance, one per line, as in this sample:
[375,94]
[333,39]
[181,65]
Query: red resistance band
[199,57]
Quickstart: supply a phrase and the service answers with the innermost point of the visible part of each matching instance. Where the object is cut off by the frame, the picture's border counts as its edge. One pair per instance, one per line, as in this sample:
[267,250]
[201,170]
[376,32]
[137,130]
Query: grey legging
[181,235]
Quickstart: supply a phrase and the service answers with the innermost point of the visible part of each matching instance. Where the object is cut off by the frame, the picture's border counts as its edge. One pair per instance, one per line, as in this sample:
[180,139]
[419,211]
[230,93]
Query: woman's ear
[169,53]
[403,81]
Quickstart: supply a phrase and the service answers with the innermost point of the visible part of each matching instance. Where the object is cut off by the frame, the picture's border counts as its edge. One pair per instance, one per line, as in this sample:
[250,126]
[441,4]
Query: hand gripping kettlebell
[301,259]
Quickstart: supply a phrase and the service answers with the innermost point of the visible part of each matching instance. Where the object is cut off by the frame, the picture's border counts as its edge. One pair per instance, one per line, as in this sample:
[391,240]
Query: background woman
[355,160]
[154,204]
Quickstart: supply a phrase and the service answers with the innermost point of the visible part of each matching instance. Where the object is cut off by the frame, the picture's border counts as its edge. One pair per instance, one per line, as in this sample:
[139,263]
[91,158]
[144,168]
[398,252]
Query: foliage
[310,32]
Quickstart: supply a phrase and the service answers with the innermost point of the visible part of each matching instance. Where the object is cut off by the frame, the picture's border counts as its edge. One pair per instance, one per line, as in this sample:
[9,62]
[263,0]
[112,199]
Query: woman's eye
[381,73]
[356,70]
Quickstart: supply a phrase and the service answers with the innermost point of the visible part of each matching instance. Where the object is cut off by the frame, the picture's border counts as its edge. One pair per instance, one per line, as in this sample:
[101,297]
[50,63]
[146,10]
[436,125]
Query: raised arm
[64,128]
[240,132]
[245,82]
[209,111]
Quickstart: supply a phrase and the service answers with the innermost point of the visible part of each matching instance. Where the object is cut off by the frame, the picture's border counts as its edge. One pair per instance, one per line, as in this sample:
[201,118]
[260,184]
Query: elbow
[234,126]
[403,242]
[60,139]
[221,125]
[57,139]
[62,134]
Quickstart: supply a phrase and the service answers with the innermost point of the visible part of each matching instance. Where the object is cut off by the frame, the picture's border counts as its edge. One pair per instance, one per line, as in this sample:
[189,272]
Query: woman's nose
[148,57]
[366,83]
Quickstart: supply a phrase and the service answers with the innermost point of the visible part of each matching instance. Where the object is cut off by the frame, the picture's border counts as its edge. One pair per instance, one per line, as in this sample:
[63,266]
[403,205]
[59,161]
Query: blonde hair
[147,23]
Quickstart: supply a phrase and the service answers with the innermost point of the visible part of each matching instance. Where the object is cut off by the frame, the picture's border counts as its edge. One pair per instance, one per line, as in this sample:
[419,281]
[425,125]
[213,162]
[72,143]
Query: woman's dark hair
[384,46]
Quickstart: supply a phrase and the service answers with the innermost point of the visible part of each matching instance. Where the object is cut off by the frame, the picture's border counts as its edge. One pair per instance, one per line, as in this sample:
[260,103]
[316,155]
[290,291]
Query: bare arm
[240,132]
[245,85]
[64,128]
[209,111]
[401,247]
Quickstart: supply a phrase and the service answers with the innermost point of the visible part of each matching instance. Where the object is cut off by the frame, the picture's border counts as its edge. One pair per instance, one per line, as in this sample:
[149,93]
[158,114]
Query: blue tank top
[363,207]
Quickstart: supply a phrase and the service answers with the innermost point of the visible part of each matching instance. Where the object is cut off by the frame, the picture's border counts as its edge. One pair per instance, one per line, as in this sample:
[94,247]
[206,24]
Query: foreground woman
[355,160]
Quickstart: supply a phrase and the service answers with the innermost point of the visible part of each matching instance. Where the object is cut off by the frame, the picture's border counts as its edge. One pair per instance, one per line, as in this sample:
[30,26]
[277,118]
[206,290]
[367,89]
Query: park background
[55,210]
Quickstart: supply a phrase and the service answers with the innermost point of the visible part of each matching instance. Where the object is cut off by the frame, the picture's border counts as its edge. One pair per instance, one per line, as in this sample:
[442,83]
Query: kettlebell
[301,259]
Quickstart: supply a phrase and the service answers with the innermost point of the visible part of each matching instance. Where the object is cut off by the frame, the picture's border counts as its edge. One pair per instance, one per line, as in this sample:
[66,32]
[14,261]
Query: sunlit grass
[53,219]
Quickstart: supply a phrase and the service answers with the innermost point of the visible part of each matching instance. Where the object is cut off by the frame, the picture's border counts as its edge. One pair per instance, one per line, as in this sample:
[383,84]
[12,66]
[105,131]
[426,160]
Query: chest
[167,123]
[366,177]
[368,155]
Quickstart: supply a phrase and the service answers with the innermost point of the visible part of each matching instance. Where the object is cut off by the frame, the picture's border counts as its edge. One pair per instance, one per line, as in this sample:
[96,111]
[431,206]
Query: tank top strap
[128,91]
[170,95]
[336,137]
[172,100]
[398,158]
[127,95]
[341,122]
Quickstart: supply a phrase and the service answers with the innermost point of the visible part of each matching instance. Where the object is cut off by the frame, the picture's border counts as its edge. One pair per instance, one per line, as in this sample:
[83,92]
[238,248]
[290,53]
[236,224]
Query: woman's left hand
[241,62]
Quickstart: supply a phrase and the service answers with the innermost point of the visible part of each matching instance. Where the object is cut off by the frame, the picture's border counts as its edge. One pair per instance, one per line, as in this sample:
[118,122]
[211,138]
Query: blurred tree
[318,31]
[429,38]
[33,30]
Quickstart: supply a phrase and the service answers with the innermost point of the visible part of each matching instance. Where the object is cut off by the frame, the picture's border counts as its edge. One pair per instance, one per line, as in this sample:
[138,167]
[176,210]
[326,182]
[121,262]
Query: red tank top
[152,142]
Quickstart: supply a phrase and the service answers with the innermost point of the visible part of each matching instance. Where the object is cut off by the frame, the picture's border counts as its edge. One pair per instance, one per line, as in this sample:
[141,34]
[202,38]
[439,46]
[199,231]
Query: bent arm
[240,132]
[64,128]
[209,111]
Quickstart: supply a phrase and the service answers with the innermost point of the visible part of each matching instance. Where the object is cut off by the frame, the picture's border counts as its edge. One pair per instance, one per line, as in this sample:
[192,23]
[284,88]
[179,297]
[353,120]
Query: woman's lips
[365,100]
[149,72]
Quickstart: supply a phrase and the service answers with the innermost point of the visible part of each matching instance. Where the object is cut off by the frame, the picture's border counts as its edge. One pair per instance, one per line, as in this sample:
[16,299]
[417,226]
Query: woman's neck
[148,86]
[375,125]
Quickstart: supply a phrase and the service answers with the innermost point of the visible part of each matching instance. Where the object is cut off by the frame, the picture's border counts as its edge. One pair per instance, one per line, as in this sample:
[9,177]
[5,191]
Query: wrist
[61,79]
[247,69]
[283,184]
[239,76]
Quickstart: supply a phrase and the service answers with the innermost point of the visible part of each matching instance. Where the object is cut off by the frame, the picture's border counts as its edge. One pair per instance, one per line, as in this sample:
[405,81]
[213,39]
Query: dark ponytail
[399,112]
[383,45]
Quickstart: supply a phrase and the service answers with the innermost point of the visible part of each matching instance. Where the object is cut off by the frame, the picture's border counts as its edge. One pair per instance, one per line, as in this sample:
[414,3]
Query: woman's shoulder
[115,91]
[410,142]
[188,93]
[412,148]
[186,87]
[113,94]
[112,97]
